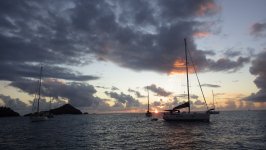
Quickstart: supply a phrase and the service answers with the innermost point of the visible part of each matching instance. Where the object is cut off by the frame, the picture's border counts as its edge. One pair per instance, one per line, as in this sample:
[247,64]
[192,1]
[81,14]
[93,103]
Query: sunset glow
[208,7]
[101,56]
[201,34]
[132,74]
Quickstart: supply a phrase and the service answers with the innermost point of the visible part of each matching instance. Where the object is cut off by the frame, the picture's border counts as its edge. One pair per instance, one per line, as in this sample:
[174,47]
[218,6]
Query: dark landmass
[8,112]
[65,109]
[27,115]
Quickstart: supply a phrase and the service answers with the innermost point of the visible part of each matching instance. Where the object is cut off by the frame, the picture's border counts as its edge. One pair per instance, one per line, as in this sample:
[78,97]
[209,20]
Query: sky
[105,55]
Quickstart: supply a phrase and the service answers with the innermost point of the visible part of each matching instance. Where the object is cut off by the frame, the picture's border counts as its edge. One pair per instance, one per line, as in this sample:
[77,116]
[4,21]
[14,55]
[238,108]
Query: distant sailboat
[38,116]
[213,111]
[175,115]
[148,113]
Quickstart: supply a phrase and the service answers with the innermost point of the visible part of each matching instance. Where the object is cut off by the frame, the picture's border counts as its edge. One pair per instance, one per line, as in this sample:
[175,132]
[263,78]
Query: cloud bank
[124,99]
[137,93]
[140,35]
[258,29]
[258,69]
[158,90]
[211,85]
[77,94]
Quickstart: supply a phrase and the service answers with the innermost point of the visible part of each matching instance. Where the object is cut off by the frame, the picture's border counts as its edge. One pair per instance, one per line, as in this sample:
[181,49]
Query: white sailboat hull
[186,117]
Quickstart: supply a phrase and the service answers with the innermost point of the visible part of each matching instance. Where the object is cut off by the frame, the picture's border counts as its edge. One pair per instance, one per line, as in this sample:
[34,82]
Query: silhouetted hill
[27,115]
[8,112]
[65,109]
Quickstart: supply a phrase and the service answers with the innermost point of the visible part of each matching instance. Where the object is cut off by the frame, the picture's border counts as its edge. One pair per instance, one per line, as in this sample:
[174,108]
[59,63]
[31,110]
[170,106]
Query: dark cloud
[260,96]
[232,53]
[258,29]
[198,102]
[114,88]
[193,96]
[140,35]
[225,64]
[156,103]
[31,35]
[137,93]
[67,74]
[258,69]
[23,108]
[78,94]
[236,104]
[127,100]
[118,106]
[101,87]
[211,85]
[15,104]
[158,90]
[13,72]
[208,52]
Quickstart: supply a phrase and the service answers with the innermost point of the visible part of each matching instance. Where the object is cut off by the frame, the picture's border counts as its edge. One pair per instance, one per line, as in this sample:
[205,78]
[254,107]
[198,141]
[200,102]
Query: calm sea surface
[228,130]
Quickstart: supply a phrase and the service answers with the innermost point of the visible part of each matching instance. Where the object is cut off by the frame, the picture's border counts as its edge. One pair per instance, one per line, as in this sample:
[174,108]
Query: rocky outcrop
[8,112]
[65,109]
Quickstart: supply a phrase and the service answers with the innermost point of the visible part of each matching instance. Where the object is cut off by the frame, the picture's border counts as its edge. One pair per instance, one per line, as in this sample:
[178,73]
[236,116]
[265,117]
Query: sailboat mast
[50,104]
[148,101]
[213,99]
[188,97]
[39,93]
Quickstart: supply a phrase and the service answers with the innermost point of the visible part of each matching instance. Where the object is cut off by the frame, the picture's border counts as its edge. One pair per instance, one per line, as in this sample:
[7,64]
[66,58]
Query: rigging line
[33,103]
[198,79]
[35,97]
[187,75]
[39,92]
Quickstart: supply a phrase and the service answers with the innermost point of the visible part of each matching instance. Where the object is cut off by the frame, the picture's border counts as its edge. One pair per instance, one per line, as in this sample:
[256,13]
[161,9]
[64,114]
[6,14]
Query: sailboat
[38,116]
[212,110]
[148,113]
[175,114]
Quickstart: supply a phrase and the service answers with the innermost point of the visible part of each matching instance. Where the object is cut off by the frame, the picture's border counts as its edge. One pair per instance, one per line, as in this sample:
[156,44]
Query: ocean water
[228,130]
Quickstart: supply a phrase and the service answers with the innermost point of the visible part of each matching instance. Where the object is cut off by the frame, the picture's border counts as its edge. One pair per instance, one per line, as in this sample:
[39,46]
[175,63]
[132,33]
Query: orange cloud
[209,7]
[179,67]
[179,63]
[201,34]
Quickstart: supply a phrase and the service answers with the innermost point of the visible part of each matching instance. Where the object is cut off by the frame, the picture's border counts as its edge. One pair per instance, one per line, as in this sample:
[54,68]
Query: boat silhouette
[175,114]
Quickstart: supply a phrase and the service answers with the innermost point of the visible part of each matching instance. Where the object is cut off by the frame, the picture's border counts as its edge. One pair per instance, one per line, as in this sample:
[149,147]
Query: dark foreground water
[228,130]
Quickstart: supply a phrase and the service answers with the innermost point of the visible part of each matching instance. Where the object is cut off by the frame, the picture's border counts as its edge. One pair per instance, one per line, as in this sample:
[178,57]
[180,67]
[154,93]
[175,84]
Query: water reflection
[229,130]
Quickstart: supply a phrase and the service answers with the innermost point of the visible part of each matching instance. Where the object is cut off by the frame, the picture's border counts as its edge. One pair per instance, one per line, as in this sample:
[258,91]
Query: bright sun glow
[156,111]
